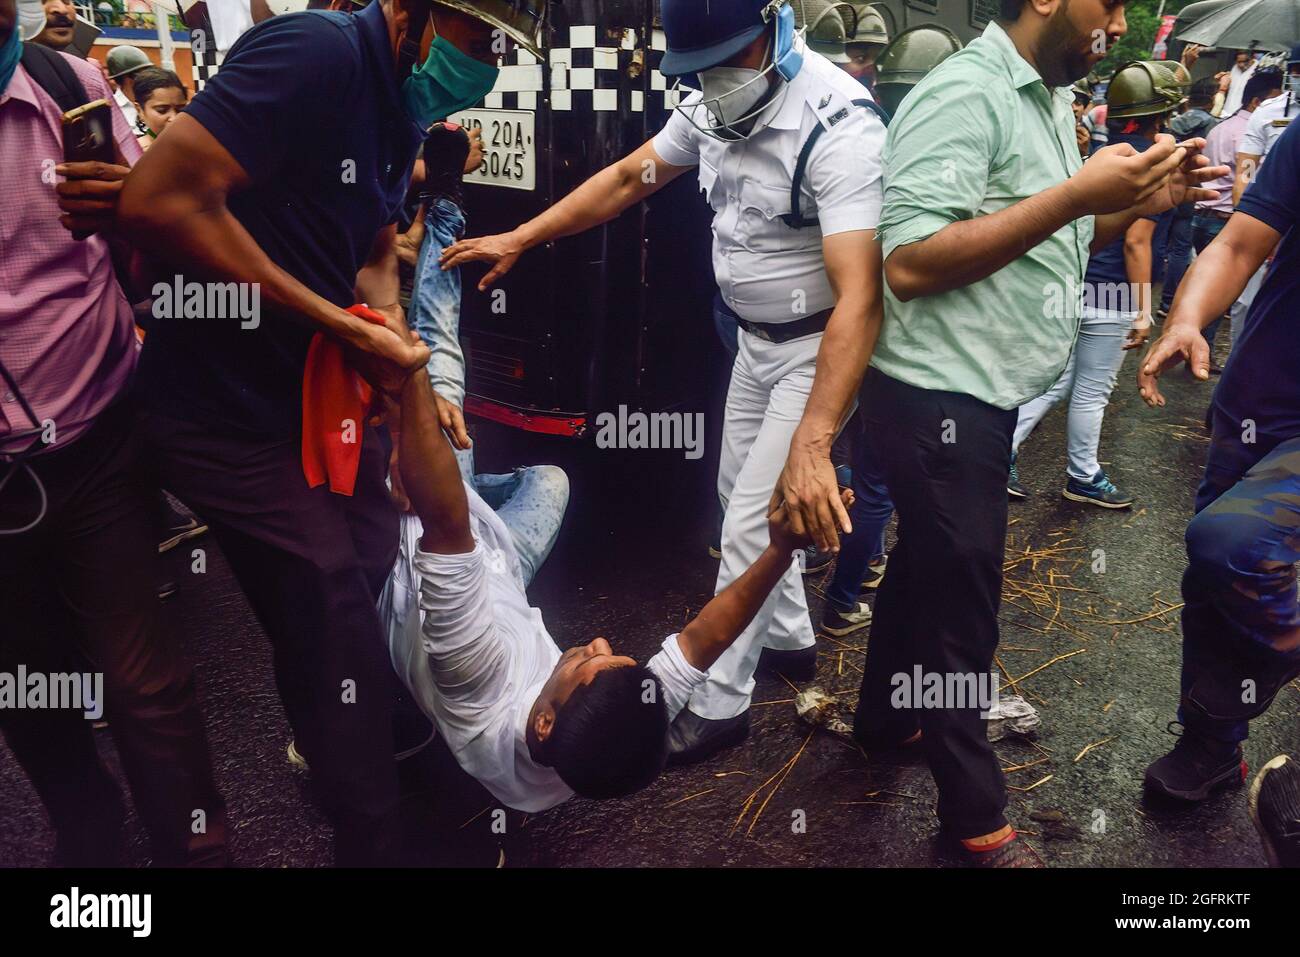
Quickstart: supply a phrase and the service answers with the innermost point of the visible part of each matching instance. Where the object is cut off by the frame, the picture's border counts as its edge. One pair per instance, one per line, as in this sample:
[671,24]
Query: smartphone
[88,134]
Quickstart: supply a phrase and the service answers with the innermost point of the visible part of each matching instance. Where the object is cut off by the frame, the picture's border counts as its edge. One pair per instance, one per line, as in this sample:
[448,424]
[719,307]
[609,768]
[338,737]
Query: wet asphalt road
[631,565]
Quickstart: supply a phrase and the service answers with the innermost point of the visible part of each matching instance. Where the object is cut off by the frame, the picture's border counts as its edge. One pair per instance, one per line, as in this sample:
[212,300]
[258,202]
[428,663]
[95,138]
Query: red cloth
[335,400]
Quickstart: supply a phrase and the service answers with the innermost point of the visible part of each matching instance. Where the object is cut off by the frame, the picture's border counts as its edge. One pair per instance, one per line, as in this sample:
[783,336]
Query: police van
[619,315]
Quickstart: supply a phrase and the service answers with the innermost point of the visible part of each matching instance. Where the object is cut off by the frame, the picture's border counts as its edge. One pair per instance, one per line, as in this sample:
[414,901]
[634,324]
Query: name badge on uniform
[837,116]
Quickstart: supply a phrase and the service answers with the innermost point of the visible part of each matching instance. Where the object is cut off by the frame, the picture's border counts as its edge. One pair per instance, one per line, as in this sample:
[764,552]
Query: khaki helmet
[827,25]
[1146,88]
[125,59]
[913,53]
[1082,90]
[871,26]
[524,21]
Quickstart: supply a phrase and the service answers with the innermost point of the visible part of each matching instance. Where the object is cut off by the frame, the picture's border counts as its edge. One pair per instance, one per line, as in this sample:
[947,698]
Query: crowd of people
[920,247]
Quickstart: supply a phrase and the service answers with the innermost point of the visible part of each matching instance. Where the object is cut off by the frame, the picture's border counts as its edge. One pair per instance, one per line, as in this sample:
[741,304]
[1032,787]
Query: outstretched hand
[502,251]
[1179,343]
[810,493]
[781,529]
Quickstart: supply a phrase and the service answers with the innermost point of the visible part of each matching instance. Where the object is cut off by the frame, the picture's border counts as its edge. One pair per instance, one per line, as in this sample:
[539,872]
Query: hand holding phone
[88,198]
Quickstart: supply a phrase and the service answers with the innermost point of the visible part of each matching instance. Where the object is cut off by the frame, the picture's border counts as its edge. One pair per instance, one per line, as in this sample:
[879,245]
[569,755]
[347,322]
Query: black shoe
[1014,488]
[1014,853]
[797,665]
[1275,809]
[1196,767]
[841,623]
[875,744]
[181,528]
[1100,491]
[692,738]
[97,840]
[874,576]
[815,560]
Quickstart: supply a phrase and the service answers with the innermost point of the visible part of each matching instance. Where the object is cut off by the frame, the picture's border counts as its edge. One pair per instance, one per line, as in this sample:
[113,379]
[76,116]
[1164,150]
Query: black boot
[797,665]
[1196,767]
[692,738]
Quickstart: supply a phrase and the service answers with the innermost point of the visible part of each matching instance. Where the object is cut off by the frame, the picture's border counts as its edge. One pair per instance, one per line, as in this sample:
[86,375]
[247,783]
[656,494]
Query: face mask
[730,95]
[10,54]
[448,81]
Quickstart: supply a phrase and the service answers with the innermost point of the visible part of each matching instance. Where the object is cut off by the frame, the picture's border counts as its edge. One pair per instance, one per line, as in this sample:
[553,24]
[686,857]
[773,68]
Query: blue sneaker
[1014,488]
[1100,491]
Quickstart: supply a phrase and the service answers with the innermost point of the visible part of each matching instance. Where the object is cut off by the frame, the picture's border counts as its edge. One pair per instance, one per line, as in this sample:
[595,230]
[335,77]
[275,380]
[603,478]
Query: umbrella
[1248,25]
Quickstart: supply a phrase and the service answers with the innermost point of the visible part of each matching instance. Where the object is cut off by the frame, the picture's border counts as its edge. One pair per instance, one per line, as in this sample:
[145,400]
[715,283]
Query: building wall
[181,55]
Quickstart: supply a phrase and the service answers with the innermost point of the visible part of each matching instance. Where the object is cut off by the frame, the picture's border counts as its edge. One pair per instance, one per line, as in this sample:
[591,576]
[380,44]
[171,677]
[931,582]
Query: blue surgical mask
[448,81]
[10,54]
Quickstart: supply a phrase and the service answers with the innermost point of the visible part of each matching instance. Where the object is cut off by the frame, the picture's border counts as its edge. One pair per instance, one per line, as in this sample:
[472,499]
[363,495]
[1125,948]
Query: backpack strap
[795,219]
[53,75]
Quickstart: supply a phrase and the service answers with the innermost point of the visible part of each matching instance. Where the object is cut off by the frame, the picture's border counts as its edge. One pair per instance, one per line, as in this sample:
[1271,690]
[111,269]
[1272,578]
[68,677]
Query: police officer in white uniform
[1269,120]
[796,261]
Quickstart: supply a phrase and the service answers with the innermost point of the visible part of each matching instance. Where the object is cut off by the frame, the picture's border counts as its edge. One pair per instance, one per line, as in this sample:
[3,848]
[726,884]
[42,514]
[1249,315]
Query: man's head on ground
[600,721]
[60,21]
[122,63]
[159,98]
[1064,39]
[1264,85]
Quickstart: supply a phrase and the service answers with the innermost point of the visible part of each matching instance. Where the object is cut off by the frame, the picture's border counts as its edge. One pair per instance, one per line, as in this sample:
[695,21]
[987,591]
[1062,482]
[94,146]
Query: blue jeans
[1088,379]
[1178,254]
[869,515]
[1241,621]
[531,501]
[435,301]
[1204,230]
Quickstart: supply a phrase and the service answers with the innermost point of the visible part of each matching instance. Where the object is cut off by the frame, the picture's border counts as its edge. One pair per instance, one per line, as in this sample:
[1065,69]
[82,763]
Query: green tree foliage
[1141,36]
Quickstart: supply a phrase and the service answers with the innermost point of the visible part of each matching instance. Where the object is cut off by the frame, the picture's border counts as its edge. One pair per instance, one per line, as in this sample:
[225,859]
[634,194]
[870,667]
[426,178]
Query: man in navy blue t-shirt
[1241,622]
[284,176]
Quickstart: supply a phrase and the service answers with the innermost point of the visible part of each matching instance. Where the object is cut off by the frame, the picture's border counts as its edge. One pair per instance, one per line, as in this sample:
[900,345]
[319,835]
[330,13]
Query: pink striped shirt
[66,331]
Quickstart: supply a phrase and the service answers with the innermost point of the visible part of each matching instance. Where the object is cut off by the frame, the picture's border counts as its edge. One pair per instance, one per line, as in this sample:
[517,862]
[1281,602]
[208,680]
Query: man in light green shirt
[979,134]
[988,222]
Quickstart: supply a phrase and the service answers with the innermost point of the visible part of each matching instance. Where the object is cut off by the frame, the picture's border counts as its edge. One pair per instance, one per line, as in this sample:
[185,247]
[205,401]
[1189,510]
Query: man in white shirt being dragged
[532,724]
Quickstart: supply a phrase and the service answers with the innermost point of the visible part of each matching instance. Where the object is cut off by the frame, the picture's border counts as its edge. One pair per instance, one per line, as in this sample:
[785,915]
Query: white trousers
[770,383]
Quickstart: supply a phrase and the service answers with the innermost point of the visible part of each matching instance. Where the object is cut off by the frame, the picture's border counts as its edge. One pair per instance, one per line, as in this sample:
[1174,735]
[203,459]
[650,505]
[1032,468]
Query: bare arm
[377,283]
[720,622]
[1116,184]
[807,484]
[601,198]
[1215,280]
[969,250]
[430,474]
[173,206]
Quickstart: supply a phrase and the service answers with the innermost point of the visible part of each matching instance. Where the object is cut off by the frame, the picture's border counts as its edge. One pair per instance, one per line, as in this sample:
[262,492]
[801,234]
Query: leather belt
[785,331]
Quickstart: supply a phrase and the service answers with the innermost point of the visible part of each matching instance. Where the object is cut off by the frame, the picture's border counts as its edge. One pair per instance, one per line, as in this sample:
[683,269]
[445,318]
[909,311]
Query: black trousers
[84,578]
[944,457]
[312,564]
